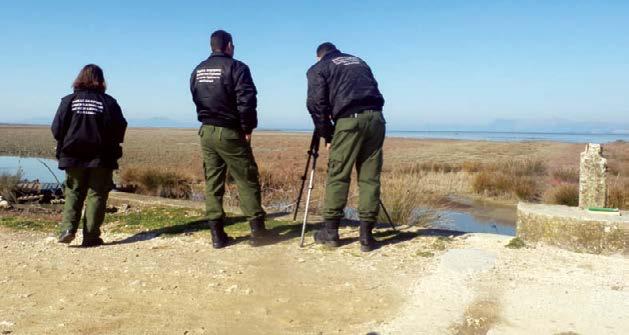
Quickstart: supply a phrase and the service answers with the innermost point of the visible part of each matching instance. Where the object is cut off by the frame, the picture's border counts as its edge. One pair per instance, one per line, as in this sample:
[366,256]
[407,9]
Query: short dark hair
[90,78]
[325,48]
[219,40]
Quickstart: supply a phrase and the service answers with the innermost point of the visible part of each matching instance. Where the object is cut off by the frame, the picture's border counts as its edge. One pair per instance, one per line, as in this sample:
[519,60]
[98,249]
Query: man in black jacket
[89,127]
[225,96]
[343,90]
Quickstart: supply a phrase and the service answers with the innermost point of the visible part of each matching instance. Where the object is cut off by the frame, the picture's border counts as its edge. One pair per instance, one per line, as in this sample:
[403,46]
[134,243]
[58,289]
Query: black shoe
[66,236]
[329,235]
[89,242]
[367,242]
[219,238]
[259,234]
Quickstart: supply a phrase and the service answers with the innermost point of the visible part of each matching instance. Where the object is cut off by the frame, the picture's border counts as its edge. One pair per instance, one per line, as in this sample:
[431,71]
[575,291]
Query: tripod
[313,154]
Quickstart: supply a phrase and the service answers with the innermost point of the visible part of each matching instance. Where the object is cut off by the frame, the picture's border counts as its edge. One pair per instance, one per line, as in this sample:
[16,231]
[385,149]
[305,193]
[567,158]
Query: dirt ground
[468,284]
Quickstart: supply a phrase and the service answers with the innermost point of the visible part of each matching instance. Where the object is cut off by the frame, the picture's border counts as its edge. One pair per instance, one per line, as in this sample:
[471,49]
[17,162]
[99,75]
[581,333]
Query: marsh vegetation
[416,173]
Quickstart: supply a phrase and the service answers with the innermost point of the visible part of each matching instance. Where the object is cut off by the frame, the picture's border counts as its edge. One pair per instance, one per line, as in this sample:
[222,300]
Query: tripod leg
[310,187]
[303,183]
[387,215]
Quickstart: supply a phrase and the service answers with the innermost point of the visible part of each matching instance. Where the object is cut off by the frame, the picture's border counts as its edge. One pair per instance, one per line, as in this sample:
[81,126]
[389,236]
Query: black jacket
[339,85]
[224,93]
[89,127]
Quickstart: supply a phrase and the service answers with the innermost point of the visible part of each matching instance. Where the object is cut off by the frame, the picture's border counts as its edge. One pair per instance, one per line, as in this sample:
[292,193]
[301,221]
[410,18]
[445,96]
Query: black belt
[355,115]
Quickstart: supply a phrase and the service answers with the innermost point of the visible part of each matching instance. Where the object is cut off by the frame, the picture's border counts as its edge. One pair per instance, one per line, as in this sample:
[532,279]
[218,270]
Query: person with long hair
[89,128]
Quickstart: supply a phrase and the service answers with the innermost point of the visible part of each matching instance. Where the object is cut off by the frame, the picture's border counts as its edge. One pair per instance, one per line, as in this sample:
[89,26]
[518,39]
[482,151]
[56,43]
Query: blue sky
[438,62]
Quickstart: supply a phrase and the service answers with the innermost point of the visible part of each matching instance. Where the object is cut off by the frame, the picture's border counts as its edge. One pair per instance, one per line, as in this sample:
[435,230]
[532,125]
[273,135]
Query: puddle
[467,216]
[468,223]
[32,168]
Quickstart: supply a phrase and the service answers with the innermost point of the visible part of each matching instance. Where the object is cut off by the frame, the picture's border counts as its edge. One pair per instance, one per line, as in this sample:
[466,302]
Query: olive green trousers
[226,149]
[90,186]
[357,142]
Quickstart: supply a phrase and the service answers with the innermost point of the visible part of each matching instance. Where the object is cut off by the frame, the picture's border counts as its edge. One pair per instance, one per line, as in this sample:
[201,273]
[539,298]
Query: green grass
[172,221]
[441,243]
[27,223]
[516,243]
[422,253]
[158,220]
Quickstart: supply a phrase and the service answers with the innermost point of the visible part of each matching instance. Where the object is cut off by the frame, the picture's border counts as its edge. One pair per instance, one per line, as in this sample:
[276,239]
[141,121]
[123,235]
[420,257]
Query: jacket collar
[331,54]
[220,54]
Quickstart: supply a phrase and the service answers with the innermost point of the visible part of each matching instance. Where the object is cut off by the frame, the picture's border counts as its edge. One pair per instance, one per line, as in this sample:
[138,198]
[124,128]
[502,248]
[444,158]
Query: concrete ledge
[573,229]
[147,200]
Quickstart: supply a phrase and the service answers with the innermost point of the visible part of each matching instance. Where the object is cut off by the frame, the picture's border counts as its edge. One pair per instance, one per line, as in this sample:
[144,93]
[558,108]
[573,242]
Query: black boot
[89,242]
[329,235]
[219,238]
[259,234]
[367,242]
[66,236]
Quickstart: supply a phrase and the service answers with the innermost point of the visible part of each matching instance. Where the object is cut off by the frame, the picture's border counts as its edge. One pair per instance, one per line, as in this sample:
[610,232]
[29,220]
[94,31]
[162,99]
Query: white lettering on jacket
[208,75]
[87,106]
[346,60]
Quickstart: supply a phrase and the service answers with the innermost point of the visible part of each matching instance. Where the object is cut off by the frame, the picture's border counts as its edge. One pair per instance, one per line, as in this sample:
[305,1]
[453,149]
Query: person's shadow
[286,230]
[283,231]
[387,235]
[183,228]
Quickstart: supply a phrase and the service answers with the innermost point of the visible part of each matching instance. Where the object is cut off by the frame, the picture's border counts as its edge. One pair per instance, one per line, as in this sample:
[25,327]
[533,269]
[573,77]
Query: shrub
[8,185]
[482,182]
[525,188]
[566,175]
[526,167]
[564,194]
[618,195]
[500,183]
[152,181]
[405,200]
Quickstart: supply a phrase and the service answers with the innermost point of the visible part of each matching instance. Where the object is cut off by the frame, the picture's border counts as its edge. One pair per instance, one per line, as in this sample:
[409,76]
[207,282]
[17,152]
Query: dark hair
[90,78]
[325,48]
[219,40]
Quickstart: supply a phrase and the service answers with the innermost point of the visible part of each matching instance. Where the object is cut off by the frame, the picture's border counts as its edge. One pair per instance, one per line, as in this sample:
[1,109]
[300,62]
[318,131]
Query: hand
[248,138]
[328,146]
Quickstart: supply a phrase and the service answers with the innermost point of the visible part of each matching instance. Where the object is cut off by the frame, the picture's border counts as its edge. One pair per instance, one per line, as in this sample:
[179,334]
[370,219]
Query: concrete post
[592,177]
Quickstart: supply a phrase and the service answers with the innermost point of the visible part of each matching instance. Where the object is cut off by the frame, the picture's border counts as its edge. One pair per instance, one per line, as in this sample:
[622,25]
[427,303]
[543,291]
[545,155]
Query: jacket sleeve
[246,100]
[61,120]
[118,123]
[318,104]
[192,78]
[61,123]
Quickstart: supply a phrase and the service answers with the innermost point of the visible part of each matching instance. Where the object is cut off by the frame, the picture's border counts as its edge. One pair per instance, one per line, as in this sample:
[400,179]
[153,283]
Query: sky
[438,63]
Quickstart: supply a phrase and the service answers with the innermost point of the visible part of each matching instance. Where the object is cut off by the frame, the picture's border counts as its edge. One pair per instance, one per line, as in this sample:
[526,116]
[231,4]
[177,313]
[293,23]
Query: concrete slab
[573,228]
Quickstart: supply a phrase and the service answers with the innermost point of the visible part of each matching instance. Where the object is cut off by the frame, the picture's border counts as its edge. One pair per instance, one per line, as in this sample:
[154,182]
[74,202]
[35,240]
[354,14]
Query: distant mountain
[534,126]
[551,125]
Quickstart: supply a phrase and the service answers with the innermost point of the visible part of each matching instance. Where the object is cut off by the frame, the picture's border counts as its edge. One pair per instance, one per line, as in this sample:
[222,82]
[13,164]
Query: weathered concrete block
[592,177]
[573,228]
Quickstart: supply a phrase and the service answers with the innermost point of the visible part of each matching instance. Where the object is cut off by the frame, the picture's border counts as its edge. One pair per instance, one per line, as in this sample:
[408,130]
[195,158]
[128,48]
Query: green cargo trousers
[226,149]
[357,141]
[93,184]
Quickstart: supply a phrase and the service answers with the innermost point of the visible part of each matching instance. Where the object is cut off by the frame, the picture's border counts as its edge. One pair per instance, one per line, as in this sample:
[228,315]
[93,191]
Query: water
[474,216]
[32,168]
[468,216]
[467,223]
[511,136]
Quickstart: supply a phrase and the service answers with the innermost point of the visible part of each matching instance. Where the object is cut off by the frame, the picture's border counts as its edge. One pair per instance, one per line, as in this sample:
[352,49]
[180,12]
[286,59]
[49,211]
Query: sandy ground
[471,284]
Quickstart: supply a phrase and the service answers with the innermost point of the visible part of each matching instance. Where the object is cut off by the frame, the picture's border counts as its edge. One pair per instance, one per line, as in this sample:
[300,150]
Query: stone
[573,228]
[592,177]
[4,204]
